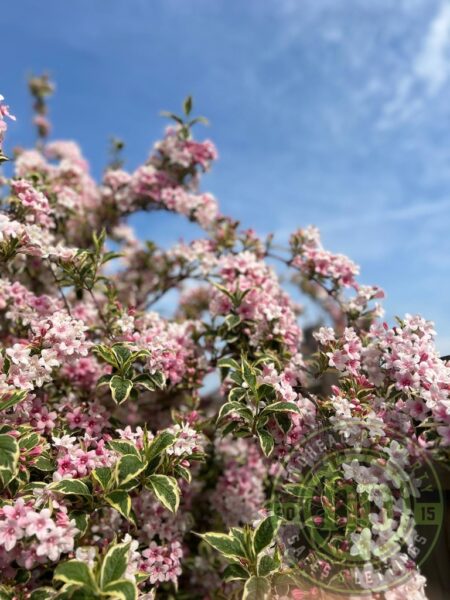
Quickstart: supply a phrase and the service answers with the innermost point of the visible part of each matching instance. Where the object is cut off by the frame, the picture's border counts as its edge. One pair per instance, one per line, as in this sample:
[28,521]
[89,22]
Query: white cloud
[381,215]
[432,65]
[428,73]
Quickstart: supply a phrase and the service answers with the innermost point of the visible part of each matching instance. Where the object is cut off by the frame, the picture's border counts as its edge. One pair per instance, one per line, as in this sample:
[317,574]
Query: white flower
[87,554]
[66,441]
[362,544]
[397,453]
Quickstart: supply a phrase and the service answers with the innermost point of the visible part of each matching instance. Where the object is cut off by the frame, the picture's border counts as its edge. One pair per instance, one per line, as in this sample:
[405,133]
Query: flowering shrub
[121,475]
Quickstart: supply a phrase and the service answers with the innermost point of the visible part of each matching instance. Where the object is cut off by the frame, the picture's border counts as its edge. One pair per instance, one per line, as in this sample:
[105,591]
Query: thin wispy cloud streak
[428,72]
[408,213]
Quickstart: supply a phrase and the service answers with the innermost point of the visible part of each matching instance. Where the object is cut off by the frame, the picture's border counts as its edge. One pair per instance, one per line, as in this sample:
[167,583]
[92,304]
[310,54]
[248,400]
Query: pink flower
[4,112]
[10,533]
[338,359]
[444,432]
[325,335]
[152,553]
[55,542]
[187,440]
[76,418]
[28,558]
[18,511]
[40,524]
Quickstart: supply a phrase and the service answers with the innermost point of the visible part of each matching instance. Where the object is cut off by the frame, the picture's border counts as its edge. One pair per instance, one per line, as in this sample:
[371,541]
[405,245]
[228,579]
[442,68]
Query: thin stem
[100,312]
[61,291]
[280,258]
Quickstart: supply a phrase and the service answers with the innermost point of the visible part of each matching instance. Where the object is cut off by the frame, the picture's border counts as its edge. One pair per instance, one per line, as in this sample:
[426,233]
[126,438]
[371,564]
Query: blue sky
[331,112]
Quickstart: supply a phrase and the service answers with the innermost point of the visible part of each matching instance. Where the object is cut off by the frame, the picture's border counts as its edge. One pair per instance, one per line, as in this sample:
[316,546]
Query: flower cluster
[250,288]
[162,562]
[313,260]
[77,459]
[4,112]
[239,493]
[31,537]
[148,453]
[185,153]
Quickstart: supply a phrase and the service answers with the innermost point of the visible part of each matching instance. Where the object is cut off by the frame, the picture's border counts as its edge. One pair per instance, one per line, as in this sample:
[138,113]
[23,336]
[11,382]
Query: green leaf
[226,409]
[223,289]
[295,489]
[75,571]
[106,354]
[278,407]
[70,486]
[203,120]
[166,490]
[44,463]
[159,379]
[183,472]
[114,564]
[128,467]
[122,590]
[237,394]
[266,441]
[236,377]
[265,533]
[170,115]
[12,398]
[146,381]
[256,588]
[81,521]
[43,593]
[225,544]
[134,357]
[230,427]
[9,458]
[239,295]
[124,447]
[248,374]
[233,572]
[73,591]
[141,576]
[34,487]
[161,442]
[238,534]
[108,256]
[104,380]
[282,582]
[228,363]
[121,352]
[120,388]
[22,576]
[29,441]
[121,501]
[230,407]
[151,381]
[283,421]
[103,476]
[187,106]
[266,392]
[232,321]
[99,239]
[6,592]
[267,565]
